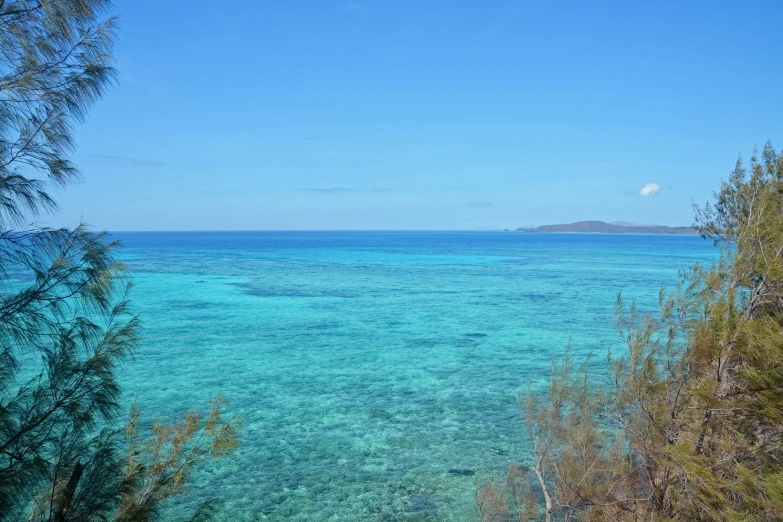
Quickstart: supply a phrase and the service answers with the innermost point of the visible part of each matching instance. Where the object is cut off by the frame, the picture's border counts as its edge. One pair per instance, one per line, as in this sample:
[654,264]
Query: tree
[689,423]
[65,321]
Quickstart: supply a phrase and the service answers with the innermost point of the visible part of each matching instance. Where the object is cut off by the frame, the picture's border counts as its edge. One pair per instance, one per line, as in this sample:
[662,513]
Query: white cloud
[649,189]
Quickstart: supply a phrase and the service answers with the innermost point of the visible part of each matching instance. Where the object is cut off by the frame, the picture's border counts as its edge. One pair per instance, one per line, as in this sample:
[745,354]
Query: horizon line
[325,230]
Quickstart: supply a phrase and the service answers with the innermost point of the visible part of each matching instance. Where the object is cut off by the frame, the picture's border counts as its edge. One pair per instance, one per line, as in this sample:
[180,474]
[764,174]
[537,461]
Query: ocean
[376,373]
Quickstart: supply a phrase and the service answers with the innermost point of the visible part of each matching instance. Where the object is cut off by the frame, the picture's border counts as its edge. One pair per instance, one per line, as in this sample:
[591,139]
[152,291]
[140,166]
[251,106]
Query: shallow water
[376,373]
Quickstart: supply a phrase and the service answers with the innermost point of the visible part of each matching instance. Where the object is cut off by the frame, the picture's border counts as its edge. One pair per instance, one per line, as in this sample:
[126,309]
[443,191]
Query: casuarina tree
[65,322]
[688,424]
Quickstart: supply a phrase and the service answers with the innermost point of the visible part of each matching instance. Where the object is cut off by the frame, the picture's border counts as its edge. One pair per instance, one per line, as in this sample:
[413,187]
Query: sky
[424,114]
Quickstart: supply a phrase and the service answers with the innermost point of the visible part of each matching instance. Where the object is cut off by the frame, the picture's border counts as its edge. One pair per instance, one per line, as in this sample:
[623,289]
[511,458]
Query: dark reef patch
[536,297]
[320,326]
[423,342]
[182,304]
[379,413]
[257,290]
[470,340]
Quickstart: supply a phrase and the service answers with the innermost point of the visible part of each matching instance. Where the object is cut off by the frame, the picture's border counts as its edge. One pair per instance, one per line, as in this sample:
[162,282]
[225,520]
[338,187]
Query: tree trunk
[70,490]
[544,490]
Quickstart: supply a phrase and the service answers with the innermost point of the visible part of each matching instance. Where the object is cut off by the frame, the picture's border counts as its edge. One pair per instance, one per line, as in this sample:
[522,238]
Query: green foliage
[65,323]
[157,468]
[55,60]
[689,423]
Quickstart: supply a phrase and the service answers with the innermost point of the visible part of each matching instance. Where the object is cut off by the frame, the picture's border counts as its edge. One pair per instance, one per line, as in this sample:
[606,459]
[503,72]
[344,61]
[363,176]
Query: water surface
[376,372]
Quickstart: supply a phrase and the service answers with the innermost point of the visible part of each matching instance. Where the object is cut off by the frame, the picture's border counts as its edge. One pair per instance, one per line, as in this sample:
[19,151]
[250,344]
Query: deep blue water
[370,367]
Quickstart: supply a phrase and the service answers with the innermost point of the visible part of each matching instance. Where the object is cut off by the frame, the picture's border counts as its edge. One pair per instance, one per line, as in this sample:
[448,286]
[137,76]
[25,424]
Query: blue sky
[419,114]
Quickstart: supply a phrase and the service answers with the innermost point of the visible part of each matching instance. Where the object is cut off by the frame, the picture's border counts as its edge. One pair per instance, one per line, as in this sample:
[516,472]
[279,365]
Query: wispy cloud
[352,8]
[479,204]
[214,192]
[138,162]
[343,190]
[329,190]
[649,189]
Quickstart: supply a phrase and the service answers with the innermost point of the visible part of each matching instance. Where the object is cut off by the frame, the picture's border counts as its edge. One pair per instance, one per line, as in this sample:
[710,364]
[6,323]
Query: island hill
[600,227]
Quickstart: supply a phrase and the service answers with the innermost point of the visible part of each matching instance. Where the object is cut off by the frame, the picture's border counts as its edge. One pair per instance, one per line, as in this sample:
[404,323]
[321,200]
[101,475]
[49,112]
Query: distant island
[619,227]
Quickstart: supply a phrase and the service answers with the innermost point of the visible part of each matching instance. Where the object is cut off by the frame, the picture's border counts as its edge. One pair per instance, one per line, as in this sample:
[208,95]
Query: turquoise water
[376,373]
